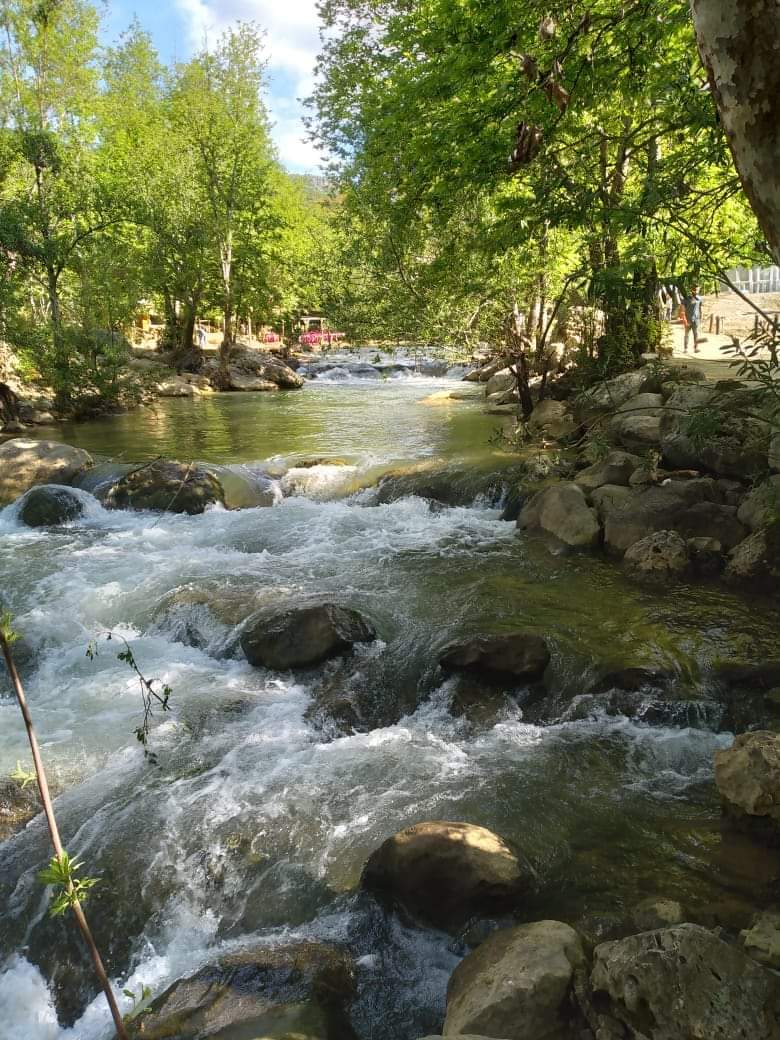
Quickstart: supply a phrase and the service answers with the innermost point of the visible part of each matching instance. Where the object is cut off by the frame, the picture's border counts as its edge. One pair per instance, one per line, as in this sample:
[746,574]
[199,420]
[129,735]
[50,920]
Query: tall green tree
[50,204]
[219,116]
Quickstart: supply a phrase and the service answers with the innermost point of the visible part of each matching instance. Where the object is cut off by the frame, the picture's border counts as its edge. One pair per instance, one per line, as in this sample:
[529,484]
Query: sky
[179,27]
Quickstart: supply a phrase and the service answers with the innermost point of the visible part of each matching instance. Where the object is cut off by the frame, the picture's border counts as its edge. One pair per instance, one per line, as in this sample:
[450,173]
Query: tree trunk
[739,42]
[226,255]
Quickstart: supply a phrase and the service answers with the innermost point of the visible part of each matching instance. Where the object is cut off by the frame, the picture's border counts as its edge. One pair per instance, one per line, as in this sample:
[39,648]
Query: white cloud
[292,28]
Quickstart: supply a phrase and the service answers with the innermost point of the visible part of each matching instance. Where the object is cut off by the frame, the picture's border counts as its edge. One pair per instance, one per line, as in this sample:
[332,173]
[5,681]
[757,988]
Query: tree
[590,129]
[739,43]
[50,205]
[218,115]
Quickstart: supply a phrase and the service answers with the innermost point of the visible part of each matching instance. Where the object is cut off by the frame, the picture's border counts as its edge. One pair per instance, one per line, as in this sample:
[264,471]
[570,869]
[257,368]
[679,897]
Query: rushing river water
[255,822]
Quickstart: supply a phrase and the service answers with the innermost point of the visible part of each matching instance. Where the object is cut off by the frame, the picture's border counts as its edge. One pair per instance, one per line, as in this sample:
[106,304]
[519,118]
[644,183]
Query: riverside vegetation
[468,672]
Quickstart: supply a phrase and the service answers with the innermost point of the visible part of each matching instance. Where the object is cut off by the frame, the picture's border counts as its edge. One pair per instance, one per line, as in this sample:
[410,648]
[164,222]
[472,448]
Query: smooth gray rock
[518,984]
[659,507]
[562,511]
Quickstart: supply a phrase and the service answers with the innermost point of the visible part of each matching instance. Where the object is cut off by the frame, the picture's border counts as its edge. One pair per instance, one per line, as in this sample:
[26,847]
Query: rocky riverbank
[282,653]
[542,979]
[675,477]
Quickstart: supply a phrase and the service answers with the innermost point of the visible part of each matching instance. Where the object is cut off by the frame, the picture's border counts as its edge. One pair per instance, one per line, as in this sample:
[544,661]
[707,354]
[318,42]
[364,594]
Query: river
[256,821]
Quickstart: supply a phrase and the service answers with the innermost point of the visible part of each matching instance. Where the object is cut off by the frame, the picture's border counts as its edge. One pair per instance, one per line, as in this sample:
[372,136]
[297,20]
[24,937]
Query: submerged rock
[167,486]
[444,872]
[301,637]
[517,657]
[18,805]
[679,983]
[300,991]
[518,984]
[657,912]
[49,505]
[25,463]
[563,512]
[748,778]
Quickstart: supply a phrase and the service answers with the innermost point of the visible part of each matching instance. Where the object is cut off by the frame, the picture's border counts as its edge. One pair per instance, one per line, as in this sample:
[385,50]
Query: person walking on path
[201,334]
[692,304]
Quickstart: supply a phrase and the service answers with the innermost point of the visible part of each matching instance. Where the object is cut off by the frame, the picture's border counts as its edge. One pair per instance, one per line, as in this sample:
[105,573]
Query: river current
[256,820]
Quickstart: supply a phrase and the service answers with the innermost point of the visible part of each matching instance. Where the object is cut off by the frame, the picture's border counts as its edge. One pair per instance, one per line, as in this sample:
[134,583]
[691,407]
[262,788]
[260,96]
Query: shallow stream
[255,822]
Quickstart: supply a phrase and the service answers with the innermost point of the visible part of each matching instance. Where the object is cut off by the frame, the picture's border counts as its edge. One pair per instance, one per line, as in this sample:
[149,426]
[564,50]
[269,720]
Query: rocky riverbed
[413,746]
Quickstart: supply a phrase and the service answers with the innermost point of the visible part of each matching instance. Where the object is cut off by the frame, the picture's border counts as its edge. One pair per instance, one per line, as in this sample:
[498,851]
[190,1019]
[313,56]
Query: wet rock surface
[443,873]
[18,805]
[301,637]
[167,486]
[513,658]
[300,991]
[49,505]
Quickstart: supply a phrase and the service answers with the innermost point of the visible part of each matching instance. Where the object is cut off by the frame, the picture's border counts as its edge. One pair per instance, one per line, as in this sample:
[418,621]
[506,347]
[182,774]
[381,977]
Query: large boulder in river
[266,367]
[518,984]
[563,512]
[658,557]
[50,505]
[167,486]
[303,636]
[662,507]
[517,657]
[25,463]
[18,805]
[444,873]
[682,983]
[748,778]
[274,992]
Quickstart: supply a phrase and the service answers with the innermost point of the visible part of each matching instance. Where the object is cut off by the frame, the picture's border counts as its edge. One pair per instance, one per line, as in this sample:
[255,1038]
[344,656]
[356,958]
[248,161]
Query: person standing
[692,304]
[201,334]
